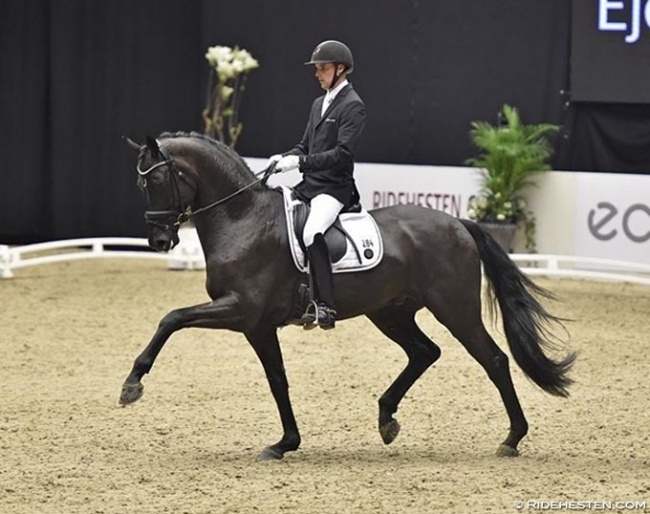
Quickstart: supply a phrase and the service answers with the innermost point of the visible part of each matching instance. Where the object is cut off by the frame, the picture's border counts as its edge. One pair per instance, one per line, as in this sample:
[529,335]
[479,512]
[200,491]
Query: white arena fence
[186,256]
[189,256]
[590,268]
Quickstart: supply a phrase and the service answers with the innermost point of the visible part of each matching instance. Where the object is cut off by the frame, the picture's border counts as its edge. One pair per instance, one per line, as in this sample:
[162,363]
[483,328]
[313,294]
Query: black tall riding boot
[322,283]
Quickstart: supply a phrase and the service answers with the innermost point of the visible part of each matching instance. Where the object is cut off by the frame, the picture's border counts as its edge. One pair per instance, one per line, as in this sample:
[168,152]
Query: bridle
[180,214]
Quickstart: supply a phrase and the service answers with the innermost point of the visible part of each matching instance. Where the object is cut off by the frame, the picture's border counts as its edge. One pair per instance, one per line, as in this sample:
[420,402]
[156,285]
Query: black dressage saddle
[336,236]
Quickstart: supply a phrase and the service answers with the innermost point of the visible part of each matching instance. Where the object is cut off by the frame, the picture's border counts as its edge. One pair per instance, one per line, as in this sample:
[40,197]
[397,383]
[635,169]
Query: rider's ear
[153,147]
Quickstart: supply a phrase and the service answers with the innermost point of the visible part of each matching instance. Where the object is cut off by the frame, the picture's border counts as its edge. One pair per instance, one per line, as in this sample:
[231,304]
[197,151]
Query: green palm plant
[511,154]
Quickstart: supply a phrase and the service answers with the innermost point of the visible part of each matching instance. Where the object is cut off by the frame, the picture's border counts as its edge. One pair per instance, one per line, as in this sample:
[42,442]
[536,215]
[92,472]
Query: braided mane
[226,155]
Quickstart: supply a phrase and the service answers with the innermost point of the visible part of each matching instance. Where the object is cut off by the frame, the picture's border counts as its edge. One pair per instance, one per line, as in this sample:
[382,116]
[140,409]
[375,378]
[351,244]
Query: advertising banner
[613,216]
[610,44]
[446,188]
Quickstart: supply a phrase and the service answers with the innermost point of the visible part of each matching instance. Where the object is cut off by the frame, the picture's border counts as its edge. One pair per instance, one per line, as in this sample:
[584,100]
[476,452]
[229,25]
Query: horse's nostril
[160,244]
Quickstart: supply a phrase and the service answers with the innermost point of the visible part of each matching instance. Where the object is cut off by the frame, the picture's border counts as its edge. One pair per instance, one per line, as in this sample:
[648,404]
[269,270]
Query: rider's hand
[287,163]
[274,159]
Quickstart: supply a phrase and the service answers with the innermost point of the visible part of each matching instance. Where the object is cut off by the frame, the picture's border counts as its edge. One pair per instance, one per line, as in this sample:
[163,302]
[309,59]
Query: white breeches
[324,210]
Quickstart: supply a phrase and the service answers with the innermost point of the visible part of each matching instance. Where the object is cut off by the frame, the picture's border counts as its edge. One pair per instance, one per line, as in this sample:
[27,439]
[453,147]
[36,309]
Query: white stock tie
[326,103]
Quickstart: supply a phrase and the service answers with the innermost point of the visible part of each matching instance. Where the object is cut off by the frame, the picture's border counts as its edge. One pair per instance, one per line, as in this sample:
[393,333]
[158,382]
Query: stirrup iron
[309,319]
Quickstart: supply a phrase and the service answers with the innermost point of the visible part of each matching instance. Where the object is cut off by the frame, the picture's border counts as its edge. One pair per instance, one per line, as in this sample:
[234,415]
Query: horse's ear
[153,147]
[132,143]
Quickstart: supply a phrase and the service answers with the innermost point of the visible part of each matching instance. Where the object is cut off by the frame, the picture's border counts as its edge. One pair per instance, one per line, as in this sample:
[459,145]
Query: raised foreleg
[224,312]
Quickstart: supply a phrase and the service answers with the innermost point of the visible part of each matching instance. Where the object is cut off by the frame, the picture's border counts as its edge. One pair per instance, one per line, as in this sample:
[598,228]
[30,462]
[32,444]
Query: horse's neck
[240,223]
[215,185]
[236,209]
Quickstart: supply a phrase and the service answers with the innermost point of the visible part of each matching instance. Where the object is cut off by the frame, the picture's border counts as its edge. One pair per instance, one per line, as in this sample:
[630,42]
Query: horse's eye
[158,177]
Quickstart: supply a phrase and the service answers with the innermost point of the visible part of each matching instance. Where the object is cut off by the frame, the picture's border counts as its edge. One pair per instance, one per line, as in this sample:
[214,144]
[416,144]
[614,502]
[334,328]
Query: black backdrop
[76,75]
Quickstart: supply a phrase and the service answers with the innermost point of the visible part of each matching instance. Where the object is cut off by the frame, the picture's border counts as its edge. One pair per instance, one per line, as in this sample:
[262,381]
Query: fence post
[5,262]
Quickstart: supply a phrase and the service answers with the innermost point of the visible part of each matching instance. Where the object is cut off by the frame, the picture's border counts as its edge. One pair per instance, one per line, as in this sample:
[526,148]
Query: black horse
[430,260]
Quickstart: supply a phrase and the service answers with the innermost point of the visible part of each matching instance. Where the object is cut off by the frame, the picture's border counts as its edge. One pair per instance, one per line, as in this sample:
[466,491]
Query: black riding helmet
[334,52]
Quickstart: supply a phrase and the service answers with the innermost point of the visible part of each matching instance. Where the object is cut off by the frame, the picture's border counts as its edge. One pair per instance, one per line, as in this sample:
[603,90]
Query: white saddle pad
[364,249]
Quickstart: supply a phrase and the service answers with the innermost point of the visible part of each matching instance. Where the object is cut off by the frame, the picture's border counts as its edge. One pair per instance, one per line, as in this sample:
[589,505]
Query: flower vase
[503,233]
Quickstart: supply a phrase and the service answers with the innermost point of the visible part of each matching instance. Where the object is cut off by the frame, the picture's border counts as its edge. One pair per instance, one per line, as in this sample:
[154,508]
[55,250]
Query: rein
[266,173]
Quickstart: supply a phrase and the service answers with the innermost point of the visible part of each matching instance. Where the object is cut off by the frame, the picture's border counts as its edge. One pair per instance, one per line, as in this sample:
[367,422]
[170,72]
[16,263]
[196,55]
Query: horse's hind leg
[398,323]
[467,326]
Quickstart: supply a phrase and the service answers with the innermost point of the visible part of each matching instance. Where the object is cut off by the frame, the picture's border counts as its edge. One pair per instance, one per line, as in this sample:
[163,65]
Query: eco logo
[603,220]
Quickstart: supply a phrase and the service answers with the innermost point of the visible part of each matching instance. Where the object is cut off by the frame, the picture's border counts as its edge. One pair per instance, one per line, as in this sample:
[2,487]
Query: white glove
[273,159]
[287,163]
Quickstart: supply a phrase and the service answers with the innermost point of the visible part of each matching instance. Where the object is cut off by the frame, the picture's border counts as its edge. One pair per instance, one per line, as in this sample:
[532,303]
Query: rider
[325,157]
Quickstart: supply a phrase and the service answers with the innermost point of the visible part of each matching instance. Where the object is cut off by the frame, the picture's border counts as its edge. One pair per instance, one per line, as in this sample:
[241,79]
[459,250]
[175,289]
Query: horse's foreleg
[267,347]
[221,313]
[398,323]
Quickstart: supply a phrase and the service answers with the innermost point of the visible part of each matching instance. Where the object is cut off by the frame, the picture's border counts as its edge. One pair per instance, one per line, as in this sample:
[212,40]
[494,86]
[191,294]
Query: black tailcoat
[327,148]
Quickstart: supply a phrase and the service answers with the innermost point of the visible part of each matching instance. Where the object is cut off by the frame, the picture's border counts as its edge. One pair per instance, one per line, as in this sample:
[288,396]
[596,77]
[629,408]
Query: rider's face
[325,73]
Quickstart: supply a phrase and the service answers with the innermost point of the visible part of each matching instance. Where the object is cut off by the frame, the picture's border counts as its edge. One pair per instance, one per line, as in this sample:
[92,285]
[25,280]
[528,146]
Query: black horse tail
[525,320]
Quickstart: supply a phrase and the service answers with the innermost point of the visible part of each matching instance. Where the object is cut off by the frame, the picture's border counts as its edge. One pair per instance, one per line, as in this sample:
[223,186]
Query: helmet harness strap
[336,76]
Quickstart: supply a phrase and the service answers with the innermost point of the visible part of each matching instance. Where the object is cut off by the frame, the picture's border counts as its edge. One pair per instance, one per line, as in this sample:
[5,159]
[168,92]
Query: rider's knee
[309,237]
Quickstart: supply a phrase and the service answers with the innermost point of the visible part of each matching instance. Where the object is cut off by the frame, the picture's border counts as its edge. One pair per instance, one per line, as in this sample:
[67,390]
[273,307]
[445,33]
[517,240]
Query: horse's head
[168,192]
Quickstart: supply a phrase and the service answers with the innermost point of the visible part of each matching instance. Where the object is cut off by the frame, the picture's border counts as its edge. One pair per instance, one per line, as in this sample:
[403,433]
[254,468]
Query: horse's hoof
[131,393]
[507,451]
[270,453]
[389,431]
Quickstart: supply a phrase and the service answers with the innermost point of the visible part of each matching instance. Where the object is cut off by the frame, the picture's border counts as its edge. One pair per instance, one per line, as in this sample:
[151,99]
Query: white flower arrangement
[494,208]
[226,84]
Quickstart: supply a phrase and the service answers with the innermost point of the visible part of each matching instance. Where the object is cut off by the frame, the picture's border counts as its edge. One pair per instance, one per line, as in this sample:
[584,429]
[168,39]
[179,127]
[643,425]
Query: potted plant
[511,154]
